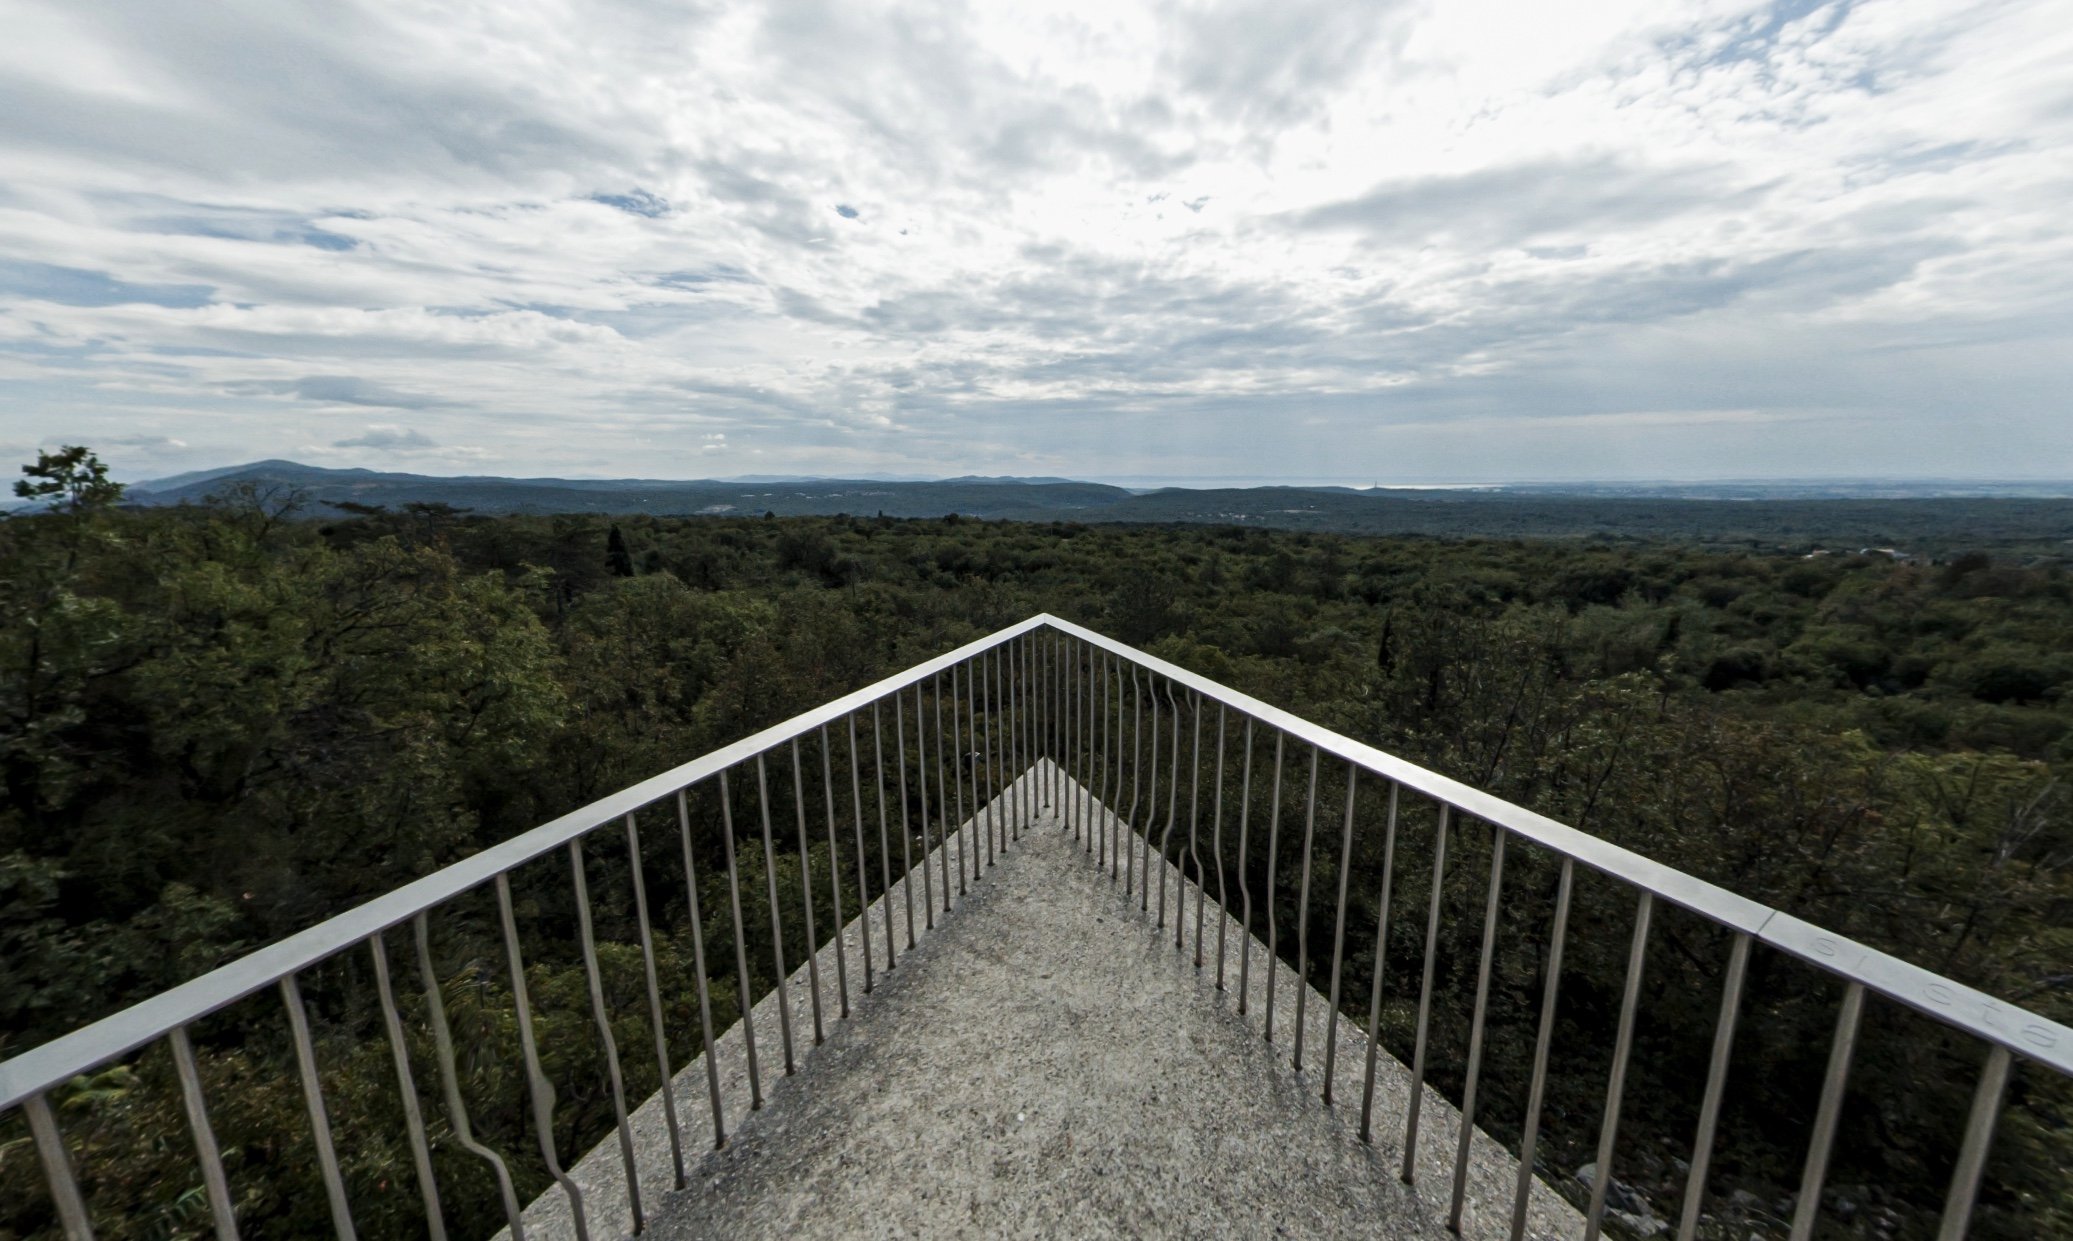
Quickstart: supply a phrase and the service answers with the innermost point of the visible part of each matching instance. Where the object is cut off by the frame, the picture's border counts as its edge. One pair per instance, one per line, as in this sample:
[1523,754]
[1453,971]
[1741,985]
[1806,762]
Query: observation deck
[1043,937]
[1045,1063]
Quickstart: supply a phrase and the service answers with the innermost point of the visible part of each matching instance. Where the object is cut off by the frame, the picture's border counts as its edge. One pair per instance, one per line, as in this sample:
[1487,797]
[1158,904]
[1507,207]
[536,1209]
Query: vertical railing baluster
[1331,1023]
[1180,892]
[885,848]
[1118,824]
[588,940]
[539,1090]
[777,921]
[1498,837]
[997,745]
[1100,830]
[1244,877]
[1112,690]
[1622,1048]
[640,910]
[745,990]
[957,756]
[1004,656]
[982,747]
[1302,982]
[1129,825]
[57,1169]
[1272,962]
[1432,942]
[813,939]
[982,766]
[1103,771]
[221,1211]
[406,1089]
[1716,1085]
[1537,1091]
[906,835]
[1979,1137]
[1166,850]
[1223,903]
[856,801]
[1097,761]
[1367,1089]
[968,764]
[921,786]
[450,1085]
[1062,671]
[1823,1138]
[1071,819]
[942,795]
[1056,713]
[1144,869]
[313,1102]
[709,1051]
[1017,694]
[834,872]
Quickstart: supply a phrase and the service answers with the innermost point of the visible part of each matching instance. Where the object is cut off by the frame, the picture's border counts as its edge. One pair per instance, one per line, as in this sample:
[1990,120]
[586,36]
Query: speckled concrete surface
[1046,1064]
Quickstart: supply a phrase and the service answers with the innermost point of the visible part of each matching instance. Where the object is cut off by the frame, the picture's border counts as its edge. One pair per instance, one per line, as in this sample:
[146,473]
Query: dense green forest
[222,722]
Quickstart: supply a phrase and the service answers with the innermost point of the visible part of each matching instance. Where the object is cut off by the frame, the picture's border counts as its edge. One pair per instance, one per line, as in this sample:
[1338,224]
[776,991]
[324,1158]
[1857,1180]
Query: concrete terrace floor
[1045,1064]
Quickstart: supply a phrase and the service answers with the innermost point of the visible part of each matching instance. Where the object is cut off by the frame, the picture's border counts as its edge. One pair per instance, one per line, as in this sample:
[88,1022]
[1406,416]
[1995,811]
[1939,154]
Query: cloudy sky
[1396,241]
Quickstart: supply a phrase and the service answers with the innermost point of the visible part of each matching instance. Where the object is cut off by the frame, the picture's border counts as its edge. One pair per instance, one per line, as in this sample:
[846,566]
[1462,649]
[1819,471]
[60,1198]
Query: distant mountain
[2010,518]
[322,487]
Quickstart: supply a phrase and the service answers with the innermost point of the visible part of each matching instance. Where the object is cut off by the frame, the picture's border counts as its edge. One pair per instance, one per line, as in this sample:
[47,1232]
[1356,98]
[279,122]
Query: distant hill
[1791,516]
[323,488]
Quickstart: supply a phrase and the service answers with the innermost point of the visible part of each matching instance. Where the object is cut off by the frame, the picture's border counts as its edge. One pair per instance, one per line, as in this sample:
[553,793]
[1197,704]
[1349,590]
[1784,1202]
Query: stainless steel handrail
[1041,689]
[1975,1012]
[62,1058]
[2007,1031]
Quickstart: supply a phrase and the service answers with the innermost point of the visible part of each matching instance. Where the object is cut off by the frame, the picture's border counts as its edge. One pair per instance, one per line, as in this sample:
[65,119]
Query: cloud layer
[1269,238]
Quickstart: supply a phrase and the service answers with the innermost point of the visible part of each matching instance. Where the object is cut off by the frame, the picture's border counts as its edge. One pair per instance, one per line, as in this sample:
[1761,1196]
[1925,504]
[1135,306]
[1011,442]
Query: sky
[1397,242]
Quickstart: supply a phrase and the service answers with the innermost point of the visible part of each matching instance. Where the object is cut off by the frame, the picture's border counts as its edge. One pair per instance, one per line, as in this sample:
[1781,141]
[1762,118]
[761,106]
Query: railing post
[813,939]
[921,786]
[1475,1028]
[1302,983]
[1367,1092]
[1272,961]
[449,1081]
[313,1099]
[1244,870]
[1537,1091]
[1331,1025]
[57,1169]
[538,1090]
[221,1212]
[1616,1083]
[604,1032]
[743,990]
[1223,903]
[1432,938]
[1716,1084]
[885,847]
[777,924]
[1979,1136]
[1823,1137]
[835,871]
[705,1003]
[640,906]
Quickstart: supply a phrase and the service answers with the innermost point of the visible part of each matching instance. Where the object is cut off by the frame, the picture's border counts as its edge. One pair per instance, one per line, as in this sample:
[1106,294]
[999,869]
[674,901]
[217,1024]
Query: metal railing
[978,695]
[1104,739]
[1042,689]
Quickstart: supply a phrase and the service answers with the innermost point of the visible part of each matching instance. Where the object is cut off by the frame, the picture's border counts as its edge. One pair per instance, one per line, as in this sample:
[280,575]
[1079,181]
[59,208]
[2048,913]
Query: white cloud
[1088,236]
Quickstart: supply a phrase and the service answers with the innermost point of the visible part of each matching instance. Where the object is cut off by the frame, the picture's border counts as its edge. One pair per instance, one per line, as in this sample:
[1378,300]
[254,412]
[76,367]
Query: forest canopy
[223,722]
